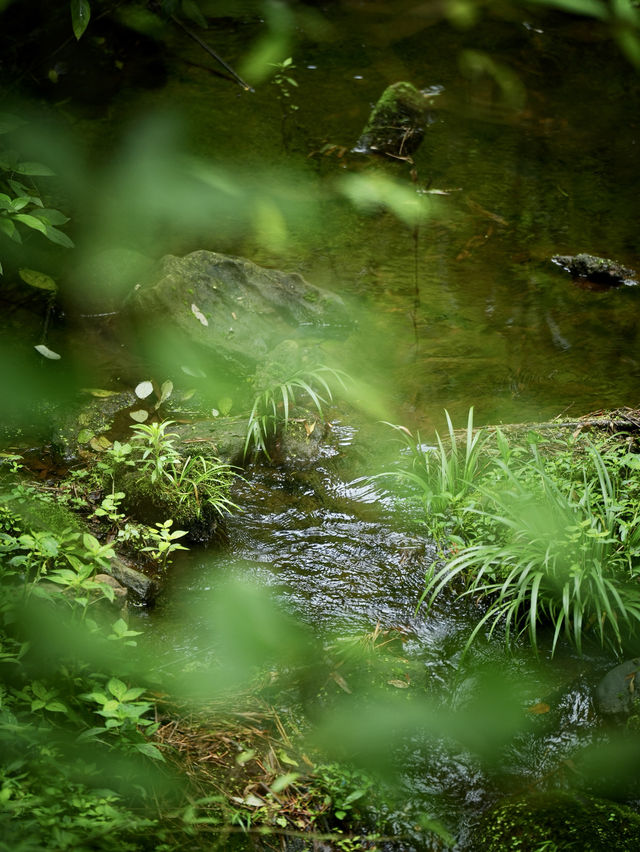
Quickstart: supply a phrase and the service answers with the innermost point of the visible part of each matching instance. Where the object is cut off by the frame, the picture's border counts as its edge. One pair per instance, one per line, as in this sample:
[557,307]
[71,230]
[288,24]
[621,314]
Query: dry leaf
[100,443]
[539,708]
[309,427]
[139,416]
[341,682]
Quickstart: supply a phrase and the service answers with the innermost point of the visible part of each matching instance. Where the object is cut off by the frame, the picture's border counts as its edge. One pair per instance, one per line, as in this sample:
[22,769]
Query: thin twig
[211,52]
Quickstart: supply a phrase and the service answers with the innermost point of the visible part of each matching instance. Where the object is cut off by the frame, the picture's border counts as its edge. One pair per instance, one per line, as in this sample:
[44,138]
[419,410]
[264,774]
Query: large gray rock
[618,693]
[229,308]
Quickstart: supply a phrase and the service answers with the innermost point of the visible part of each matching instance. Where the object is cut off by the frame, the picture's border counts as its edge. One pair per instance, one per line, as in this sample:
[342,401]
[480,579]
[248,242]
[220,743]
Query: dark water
[463,310]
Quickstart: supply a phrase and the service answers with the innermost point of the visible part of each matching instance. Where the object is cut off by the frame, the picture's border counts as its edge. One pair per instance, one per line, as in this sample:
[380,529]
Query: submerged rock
[558,820]
[618,693]
[397,124]
[599,270]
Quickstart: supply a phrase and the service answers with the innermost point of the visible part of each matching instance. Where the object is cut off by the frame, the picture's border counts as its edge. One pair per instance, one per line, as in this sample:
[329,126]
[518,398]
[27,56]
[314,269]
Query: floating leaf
[144,389]
[225,404]
[40,280]
[100,443]
[195,310]
[539,708]
[399,684]
[48,353]
[85,435]
[139,416]
[165,392]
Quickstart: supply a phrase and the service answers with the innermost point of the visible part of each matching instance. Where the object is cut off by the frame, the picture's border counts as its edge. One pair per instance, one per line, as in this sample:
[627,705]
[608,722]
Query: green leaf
[192,11]
[150,751]
[10,122]
[58,237]
[56,707]
[50,216]
[38,279]
[31,222]
[117,688]
[80,15]
[34,169]
[8,228]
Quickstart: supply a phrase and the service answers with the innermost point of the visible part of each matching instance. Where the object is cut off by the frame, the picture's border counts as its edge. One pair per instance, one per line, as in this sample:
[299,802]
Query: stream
[533,151]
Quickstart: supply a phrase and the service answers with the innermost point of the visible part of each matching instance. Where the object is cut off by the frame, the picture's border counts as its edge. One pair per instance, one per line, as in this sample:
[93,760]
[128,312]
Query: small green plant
[157,451]
[446,475]
[284,84]
[202,480]
[164,542]
[272,405]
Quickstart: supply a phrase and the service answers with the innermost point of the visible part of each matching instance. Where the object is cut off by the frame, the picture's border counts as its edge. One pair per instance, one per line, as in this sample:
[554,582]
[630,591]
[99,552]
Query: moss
[560,820]
[396,125]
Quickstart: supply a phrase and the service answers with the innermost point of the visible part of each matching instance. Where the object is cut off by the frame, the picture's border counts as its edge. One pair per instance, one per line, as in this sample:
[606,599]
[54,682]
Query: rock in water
[397,124]
[618,693]
[229,308]
[600,270]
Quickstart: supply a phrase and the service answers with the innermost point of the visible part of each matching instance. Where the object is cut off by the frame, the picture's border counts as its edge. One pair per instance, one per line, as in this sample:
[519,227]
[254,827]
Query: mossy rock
[397,124]
[152,503]
[558,821]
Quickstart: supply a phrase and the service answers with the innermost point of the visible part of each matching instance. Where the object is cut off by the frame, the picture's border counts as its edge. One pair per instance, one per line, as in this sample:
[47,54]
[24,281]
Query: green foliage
[541,540]
[446,475]
[164,542]
[273,404]
[21,204]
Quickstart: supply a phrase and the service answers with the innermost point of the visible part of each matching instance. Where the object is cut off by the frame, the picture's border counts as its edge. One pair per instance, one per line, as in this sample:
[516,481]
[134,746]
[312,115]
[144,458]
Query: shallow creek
[346,558]
[466,310]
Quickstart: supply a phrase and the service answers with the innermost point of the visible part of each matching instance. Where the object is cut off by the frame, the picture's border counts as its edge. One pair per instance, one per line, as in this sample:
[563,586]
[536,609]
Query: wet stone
[618,693]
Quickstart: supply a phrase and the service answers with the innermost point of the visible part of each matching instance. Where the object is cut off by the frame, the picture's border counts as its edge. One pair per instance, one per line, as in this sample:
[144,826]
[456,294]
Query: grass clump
[542,540]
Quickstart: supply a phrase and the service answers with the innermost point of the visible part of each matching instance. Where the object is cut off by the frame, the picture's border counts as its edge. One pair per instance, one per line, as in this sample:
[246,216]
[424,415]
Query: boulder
[228,310]
[618,693]
[599,270]
[397,124]
[558,820]
[144,589]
